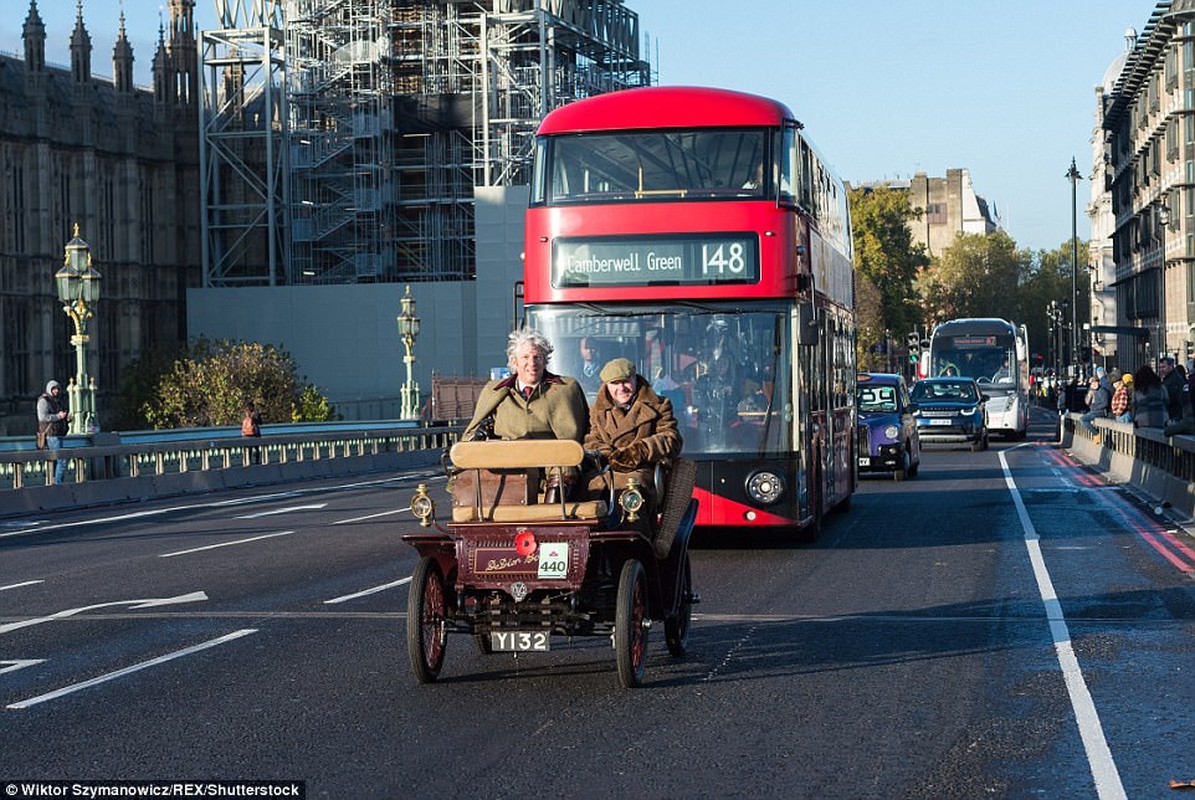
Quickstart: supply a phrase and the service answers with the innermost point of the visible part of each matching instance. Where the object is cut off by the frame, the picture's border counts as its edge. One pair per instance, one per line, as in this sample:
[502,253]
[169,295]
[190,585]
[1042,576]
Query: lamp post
[408,330]
[79,290]
[1052,334]
[1075,177]
[1162,209]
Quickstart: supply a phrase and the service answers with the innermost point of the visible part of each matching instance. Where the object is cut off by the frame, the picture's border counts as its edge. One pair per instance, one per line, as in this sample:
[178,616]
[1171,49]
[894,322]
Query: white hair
[523,336]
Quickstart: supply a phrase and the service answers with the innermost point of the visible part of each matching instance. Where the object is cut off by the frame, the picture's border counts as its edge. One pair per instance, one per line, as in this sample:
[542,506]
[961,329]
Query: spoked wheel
[630,618]
[426,620]
[676,629]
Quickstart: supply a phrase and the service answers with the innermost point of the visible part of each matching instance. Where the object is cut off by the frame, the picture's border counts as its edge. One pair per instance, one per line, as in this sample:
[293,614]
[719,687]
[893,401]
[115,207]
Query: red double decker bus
[699,233]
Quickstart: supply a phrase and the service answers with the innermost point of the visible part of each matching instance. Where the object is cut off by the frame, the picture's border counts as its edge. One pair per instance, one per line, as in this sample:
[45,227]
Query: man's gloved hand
[633,456]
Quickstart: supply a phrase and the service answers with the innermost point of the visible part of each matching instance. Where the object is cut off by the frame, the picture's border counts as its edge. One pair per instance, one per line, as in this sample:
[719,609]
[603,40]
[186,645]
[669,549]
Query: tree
[1050,280]
[977,276]
[869,319]
[887,259]
[209,383]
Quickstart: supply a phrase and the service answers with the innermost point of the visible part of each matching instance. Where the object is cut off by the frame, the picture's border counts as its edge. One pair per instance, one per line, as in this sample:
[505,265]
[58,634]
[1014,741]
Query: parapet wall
[1161,466]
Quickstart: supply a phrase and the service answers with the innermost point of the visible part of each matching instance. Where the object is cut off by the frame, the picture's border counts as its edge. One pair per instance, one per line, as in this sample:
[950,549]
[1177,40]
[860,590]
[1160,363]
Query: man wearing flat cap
[633,428]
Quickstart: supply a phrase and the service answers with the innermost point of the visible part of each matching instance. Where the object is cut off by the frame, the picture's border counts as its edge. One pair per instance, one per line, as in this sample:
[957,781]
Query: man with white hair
[532,403]
[52,419]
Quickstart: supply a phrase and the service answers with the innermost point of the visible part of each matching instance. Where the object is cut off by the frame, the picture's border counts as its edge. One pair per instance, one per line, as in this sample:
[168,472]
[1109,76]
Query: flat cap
[618,369]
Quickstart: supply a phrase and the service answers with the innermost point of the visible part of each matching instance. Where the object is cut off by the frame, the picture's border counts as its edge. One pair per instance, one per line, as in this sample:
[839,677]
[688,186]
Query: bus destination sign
[964,342]
[658,261]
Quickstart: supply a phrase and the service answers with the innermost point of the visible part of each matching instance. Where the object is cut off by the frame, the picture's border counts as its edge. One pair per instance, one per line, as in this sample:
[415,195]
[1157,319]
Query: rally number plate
[520,641]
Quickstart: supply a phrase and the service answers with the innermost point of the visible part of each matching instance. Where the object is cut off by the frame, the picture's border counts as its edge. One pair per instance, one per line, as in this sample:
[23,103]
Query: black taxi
[888,438]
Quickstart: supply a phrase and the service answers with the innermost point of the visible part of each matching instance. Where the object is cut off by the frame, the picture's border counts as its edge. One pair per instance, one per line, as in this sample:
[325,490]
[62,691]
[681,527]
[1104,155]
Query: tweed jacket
[650,420]
[556,410]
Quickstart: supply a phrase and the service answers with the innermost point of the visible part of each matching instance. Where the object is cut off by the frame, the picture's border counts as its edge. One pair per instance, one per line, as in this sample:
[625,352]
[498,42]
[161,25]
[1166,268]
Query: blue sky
[884,88]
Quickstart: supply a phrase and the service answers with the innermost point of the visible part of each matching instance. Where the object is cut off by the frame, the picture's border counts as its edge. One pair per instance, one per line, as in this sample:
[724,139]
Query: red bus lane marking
[1082,476]
[1152,532]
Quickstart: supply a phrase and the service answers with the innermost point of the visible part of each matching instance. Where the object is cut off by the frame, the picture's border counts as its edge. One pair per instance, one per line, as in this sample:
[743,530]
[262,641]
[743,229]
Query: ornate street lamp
[79,290]
[408,330]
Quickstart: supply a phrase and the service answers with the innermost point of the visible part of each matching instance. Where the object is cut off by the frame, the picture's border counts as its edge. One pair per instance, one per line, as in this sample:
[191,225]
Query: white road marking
[1099,755]
[120,673]
[19,585]
[16,664]
[224,544]
[36,526]
[151,602]
[374,590]
[371,516]
[287,510]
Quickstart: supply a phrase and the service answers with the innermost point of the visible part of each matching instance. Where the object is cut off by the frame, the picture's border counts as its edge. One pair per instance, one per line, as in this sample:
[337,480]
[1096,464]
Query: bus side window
[790,165]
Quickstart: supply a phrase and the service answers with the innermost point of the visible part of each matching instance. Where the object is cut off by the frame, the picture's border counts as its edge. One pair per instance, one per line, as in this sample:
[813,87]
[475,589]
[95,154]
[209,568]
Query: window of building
[935,213]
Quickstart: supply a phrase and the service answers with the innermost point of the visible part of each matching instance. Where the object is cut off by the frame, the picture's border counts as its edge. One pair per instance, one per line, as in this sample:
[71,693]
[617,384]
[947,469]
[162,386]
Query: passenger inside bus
[588,374]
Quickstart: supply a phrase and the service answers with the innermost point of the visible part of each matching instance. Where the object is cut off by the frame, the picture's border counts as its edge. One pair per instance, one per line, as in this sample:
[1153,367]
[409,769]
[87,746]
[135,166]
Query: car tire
[902,472]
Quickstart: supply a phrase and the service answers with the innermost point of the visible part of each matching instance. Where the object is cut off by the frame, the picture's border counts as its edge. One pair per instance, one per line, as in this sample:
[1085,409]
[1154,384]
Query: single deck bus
[699,233]
[995,352]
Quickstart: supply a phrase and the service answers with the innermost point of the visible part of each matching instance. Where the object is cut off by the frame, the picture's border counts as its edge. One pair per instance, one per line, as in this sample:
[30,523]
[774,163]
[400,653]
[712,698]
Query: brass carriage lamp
[78,285]
[408,331]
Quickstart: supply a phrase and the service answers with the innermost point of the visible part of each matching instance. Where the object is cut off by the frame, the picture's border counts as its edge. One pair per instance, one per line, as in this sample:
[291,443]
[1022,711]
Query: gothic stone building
[120,162]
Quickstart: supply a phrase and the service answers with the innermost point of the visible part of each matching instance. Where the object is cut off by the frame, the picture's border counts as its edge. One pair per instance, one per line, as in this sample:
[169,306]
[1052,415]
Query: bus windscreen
[653,165]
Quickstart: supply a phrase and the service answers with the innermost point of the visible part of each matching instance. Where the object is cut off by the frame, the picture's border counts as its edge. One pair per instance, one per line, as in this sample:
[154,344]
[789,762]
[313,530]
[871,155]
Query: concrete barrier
[114,491]
[1162,467]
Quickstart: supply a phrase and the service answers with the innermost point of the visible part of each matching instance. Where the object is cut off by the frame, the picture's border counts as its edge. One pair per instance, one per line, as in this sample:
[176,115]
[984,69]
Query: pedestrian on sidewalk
[53,418]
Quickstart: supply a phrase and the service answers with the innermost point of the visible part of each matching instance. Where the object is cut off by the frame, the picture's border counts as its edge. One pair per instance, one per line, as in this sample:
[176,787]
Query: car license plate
[520,641]
[941,422]
[864,461]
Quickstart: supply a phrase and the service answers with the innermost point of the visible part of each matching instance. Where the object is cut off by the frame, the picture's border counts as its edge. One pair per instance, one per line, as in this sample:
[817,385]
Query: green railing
[110,456]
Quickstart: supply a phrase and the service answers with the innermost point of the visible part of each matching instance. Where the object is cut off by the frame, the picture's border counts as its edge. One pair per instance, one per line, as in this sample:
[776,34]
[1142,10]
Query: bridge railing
[1162,466]
[210,457]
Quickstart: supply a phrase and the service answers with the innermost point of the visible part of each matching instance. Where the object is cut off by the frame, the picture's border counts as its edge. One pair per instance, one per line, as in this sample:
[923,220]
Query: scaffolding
[391,112]
[242,148]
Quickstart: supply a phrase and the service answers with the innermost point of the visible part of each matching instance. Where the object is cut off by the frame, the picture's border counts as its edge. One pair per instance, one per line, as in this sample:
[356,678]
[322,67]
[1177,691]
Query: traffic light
[914,342]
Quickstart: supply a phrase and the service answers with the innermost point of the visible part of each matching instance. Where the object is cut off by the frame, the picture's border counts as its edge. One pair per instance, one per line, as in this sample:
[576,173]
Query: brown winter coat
[634,440]
[556,410]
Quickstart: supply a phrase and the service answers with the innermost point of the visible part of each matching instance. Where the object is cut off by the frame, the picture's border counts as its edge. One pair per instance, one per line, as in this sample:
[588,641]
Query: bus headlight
[765,487]
[422,506]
